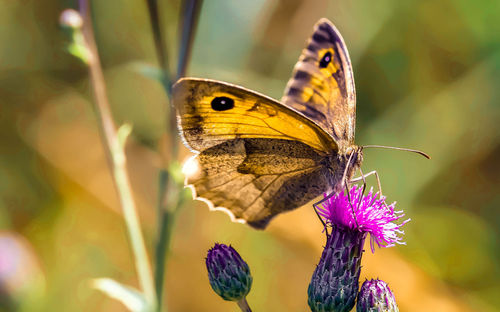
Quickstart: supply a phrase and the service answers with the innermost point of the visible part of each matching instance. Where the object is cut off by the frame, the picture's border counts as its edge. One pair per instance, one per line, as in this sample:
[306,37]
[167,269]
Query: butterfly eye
[325,60]
[222,103]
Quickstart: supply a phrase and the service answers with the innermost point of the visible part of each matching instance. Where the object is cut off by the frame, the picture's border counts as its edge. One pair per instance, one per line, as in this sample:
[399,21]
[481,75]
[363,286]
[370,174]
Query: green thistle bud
[228,274]
[375,296]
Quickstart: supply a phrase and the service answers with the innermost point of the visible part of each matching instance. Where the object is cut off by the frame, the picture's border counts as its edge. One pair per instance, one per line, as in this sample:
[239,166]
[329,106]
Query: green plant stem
[116,159]
[166,218]
[243,304]
[169,202]
[191,13]
[161,252]
[158,38]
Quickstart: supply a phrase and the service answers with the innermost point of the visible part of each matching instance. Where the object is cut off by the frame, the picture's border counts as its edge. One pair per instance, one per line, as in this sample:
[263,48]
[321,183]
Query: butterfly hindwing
[212,112]
[322,84]
[255,179]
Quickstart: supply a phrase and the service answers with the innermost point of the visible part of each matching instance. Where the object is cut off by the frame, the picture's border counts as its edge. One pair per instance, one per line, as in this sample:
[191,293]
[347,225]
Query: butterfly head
[354,157]
[344,165]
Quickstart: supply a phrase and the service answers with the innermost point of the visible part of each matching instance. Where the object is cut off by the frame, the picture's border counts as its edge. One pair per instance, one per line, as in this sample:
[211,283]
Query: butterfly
[257,157]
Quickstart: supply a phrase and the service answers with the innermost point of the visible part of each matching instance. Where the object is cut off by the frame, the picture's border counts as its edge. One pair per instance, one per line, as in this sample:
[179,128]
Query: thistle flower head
[375,296]
[371,215]
[228,274]
[334,284]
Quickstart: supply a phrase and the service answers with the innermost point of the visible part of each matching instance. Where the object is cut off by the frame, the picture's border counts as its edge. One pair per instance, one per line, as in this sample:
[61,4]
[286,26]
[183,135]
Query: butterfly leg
[363,176]
[344,181]
[364,188]
[315,205]
[346,184]
[350,204]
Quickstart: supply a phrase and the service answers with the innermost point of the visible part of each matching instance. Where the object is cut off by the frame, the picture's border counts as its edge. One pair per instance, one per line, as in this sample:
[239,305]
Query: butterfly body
[257,157]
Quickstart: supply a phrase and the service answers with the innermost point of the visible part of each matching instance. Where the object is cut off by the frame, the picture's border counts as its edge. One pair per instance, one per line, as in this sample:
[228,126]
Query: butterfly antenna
[399,149]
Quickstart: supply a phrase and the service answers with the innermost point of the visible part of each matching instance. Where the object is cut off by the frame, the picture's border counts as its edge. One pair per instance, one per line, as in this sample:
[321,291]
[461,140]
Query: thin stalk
[243,304]
[164,217]
[116,158]
[158,38]
[166,220]
[169,202]
[191,13]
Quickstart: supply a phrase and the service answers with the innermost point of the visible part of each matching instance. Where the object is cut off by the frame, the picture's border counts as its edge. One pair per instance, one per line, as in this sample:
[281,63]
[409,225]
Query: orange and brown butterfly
[257,157]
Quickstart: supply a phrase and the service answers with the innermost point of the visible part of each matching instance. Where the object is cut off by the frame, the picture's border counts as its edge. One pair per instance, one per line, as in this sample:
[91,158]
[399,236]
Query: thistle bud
[375,296]
[228,274]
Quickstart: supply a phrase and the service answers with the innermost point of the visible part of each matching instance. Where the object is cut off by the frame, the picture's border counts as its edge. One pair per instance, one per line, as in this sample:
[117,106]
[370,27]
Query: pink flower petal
[372,216]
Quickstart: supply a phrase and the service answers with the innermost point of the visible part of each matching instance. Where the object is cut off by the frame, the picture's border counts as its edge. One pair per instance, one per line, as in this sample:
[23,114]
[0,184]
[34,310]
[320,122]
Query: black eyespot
[222,103]
[327,58]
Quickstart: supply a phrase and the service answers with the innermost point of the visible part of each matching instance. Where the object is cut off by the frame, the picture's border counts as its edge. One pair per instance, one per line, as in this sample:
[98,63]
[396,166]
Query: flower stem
[191,13]
[166,222]
[158,38]
[164,217]
[169,191]
[114,148]
[243,304]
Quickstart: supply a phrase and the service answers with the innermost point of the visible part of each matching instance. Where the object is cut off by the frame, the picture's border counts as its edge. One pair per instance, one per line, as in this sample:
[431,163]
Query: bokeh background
[427,76]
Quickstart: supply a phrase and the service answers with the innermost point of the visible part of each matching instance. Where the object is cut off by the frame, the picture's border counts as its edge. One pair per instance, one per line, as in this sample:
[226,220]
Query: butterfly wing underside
[253,180]
[322,84]
[211,112]
[256,157]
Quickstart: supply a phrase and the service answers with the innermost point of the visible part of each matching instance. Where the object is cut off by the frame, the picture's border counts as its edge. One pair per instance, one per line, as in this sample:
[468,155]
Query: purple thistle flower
[376,296]
[372,216]
[228,274]
[334,284]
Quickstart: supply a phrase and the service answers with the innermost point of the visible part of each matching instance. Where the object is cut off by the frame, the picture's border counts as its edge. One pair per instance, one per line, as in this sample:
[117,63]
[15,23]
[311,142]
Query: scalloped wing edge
[209,203]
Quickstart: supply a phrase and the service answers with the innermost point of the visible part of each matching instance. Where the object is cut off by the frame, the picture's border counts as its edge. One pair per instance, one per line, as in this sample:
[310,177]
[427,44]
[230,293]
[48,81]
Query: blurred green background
[427,76]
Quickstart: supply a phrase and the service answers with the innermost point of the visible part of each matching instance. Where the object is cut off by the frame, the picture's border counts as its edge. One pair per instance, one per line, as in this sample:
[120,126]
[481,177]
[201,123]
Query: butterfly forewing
[322,84]
[211,112]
